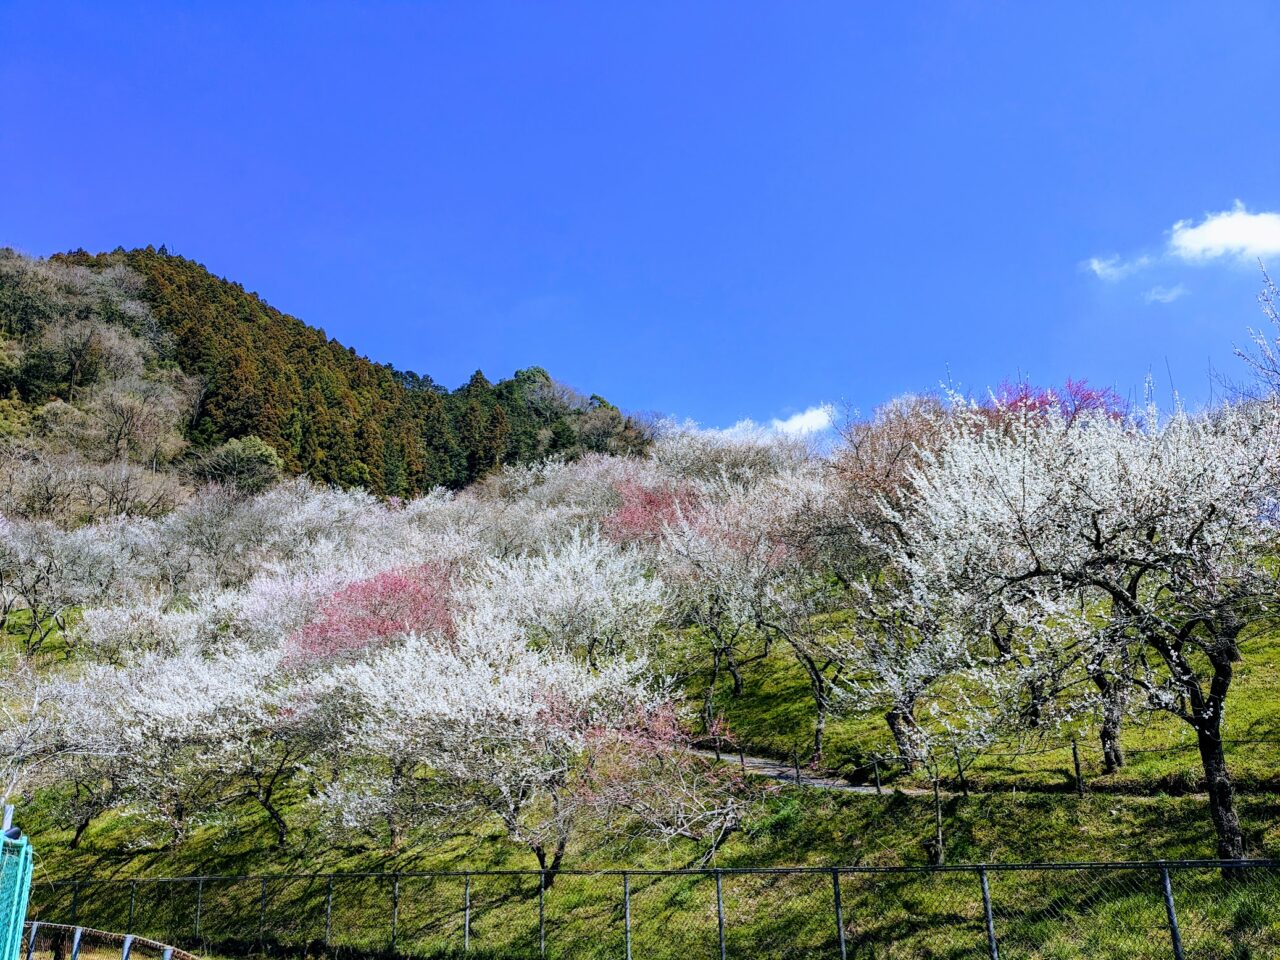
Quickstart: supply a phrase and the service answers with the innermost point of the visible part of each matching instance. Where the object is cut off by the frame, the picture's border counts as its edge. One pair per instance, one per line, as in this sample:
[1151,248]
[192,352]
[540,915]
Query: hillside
[525,675]
[209,362]
[551,672]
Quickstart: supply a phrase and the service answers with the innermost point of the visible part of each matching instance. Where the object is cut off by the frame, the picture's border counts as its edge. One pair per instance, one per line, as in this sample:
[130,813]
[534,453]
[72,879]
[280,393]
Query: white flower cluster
[964,570]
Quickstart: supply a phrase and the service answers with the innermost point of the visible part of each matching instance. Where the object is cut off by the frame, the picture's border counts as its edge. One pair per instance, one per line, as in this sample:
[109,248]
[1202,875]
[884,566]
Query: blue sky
[717,211]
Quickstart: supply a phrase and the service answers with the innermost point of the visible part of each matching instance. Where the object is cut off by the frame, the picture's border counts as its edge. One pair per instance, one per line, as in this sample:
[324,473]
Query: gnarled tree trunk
[903,726]
[1222,807]
[1113,703]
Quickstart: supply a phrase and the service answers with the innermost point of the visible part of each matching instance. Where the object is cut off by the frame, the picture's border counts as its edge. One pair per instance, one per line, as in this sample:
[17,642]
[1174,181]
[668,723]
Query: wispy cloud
[1234,235]
[1165,294]
[807,423]
[1230,233]
[1115,268]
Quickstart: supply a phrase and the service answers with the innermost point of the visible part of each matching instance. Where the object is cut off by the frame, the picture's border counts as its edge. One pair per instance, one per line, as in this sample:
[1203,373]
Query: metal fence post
[466,915]
[835,890]
[542,914]
[992,950]
[395,910]
[720,911]
[1075,759]
[133,898]
[328,910]
[199,905]
[1174,933]
[262,915]
[876,763]
[626,909]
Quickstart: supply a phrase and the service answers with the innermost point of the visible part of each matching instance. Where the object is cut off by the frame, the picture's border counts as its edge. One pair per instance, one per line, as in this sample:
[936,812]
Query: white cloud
[807,423]
[1112,269]
[1231,233]
[1165,294]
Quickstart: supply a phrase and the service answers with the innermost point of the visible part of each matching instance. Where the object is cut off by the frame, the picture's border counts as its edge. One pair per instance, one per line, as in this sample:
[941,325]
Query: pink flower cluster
[1074,398]
[367,612]
[645,511]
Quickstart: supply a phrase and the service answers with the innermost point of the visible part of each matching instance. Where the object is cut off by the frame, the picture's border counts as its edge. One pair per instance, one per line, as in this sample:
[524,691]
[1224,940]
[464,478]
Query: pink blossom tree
[371,611]
[1073,398]
[646,510]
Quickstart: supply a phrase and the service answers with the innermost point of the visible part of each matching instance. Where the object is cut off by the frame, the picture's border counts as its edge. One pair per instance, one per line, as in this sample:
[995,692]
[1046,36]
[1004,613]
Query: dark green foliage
[324,409]
[249,465]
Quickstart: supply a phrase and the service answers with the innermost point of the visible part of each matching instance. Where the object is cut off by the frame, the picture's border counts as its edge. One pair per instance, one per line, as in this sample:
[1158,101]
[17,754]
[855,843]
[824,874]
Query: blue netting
[15,887]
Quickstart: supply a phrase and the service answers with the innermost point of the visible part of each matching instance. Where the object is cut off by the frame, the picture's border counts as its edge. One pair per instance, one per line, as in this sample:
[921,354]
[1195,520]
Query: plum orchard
[518,653]
[1127,552]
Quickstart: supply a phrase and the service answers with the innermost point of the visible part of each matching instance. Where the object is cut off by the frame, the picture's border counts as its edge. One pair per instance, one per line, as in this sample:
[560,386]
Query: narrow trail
[785,772]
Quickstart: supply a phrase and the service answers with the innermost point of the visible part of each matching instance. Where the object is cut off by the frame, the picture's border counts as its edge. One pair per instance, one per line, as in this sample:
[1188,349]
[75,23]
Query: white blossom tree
[744,576]
[490,728]
[47,572]
[584,596]
[1158,528]
[198,732]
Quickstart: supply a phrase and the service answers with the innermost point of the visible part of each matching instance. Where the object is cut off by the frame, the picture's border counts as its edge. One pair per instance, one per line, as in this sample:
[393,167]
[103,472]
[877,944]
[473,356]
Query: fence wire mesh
[1178,909]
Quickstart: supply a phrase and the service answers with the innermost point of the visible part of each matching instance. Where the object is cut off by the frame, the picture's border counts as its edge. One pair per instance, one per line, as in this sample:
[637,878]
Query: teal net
[15,887]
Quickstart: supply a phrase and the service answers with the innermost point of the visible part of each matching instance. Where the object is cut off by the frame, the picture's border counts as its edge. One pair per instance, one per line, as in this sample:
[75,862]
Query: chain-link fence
[1178,909]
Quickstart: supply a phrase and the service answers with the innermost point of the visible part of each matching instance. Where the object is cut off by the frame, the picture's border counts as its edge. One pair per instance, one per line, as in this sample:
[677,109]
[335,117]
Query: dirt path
[785,772]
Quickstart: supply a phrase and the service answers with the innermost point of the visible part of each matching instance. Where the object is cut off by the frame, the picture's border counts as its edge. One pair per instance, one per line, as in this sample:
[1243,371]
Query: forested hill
[250,370]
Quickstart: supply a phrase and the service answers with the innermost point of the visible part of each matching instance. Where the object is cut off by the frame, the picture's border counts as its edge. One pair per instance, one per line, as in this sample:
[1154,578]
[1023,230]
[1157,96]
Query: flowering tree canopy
[1154,530]
[533,651]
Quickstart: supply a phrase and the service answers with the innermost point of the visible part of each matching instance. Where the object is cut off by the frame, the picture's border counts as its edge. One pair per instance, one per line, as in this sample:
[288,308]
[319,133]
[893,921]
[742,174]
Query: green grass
[774,716]
[1027,814]
[1059,915]
[795,827]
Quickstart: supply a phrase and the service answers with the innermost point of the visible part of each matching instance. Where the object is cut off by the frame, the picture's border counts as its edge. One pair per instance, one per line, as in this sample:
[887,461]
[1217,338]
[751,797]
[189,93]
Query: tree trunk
[709,702]
[395,823]
[550,868]
[1206,717]
[934,847]
[734,672]
[277,821]
[901,724]
[1113,701]
[819,730]
[1112,752]
[1222,807]
[81,827]
[818,687]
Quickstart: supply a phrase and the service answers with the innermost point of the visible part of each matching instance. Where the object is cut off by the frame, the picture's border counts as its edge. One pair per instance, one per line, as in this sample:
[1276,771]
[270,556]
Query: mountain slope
[327,411]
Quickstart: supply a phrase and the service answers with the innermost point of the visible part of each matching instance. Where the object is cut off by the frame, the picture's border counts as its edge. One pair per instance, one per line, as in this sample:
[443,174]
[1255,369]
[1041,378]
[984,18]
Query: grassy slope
[797,826]
[775,716]
[1101,915]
